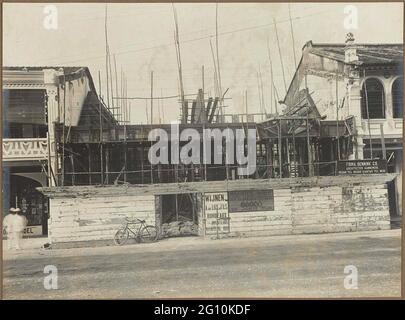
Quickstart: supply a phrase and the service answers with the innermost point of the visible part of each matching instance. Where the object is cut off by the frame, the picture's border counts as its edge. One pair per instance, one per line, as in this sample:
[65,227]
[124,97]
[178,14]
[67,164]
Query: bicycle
[145,233]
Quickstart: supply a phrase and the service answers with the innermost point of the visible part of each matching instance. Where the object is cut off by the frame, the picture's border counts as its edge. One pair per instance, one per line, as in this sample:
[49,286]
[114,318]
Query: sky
[141,37]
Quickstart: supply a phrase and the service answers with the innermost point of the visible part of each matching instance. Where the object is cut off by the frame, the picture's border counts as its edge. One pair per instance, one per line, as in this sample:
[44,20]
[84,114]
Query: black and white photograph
[206,150]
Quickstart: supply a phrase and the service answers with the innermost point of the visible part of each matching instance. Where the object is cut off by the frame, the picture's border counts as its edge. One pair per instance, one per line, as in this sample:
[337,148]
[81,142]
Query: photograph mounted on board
[202,150]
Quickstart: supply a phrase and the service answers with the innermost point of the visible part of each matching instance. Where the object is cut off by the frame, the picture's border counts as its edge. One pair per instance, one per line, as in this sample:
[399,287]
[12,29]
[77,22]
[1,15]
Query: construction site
[328,154]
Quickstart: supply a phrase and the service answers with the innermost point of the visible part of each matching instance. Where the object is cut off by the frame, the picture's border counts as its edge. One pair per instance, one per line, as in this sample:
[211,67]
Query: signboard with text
[216,213]
[29,231]
[362,167]
[251,200]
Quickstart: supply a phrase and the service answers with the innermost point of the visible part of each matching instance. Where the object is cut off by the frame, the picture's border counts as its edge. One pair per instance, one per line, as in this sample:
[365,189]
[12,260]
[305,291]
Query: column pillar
[354,100]
[51,85]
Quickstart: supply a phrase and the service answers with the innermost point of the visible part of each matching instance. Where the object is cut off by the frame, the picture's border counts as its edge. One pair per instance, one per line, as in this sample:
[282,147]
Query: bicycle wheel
[148,234]
[121,236]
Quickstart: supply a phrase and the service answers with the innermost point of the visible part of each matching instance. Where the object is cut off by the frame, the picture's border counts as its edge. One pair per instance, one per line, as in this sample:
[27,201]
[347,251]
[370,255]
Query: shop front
[19,185]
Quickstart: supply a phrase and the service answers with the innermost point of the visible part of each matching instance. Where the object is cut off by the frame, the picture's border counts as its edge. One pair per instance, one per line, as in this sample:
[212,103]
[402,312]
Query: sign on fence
[216,213]
[251,200]
[362,167]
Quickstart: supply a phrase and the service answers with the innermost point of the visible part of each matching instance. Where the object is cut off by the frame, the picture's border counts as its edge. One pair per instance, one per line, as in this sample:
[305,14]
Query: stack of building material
[179,228]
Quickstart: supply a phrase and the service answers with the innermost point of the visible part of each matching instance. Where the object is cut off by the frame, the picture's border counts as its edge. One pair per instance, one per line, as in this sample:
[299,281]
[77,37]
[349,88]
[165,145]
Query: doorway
[179,215]
[33,204]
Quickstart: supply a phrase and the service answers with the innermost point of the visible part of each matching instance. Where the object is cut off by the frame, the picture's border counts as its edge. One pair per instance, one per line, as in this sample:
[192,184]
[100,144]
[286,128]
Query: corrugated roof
[368,53]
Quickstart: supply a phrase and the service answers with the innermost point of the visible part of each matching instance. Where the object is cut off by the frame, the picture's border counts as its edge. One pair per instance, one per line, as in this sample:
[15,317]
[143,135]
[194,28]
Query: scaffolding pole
[151,97]
[279,149]
[368,115]
[337,117]
[101,131]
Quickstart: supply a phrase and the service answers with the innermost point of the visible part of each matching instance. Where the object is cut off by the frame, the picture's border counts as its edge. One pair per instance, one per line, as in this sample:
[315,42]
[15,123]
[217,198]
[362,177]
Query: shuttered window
[398,98]
[372,100]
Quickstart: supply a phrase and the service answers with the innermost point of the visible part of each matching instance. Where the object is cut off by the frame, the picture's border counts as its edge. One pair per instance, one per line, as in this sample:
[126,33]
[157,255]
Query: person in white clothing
[14,224]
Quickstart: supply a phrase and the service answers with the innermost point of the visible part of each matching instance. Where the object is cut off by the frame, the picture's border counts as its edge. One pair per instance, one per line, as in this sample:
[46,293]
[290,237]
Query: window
[372,100]
[398,98]
[21,130]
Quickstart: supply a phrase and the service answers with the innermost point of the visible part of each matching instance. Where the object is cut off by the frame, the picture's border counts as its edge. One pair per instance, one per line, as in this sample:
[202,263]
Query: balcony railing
[25,149]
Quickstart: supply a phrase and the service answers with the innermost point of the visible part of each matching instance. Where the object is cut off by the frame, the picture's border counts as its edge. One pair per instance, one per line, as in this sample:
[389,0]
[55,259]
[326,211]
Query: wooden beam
[193,106]
[209,104]
[214,108]
[384,151]
[215,186]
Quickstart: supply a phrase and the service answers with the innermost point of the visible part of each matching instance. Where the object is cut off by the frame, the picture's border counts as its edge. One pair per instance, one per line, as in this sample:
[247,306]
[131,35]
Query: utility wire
[157,98]
[199,38]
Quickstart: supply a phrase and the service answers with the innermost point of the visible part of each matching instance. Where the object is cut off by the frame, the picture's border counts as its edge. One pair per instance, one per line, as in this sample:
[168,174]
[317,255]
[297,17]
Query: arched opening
[33,204]
[372,100]
[398,98]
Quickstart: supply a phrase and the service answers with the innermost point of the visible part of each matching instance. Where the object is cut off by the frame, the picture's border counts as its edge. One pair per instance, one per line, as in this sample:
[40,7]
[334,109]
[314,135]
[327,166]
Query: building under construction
[332,161]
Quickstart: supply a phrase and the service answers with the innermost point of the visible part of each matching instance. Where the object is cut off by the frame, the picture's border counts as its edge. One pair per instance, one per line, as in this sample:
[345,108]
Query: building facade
[35,100]
[343,108]
[362,81]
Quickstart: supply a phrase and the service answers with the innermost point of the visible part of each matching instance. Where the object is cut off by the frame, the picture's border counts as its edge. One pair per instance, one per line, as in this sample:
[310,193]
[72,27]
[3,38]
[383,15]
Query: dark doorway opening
[179,215]
[33,204]
[394,164]
[392,202]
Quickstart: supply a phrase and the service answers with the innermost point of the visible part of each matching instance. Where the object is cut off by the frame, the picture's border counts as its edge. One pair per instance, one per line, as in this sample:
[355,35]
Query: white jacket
[14,223]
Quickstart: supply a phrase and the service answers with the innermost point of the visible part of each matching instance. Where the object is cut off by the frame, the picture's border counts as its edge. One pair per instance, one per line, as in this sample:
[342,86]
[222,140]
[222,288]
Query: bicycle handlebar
[136,220]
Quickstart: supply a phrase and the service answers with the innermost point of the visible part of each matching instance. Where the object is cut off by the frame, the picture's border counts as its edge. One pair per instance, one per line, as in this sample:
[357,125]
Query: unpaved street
[283,266]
